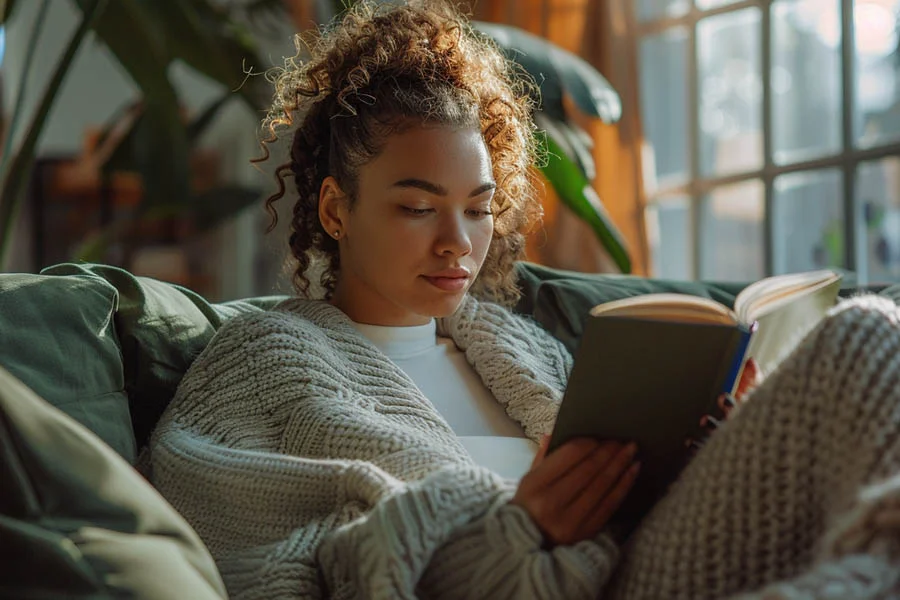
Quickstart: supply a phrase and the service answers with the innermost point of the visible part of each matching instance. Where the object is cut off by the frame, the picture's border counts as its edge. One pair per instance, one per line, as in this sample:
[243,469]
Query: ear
[332,208]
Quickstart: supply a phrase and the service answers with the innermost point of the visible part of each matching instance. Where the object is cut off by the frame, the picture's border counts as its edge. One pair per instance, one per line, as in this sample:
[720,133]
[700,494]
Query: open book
[649,368]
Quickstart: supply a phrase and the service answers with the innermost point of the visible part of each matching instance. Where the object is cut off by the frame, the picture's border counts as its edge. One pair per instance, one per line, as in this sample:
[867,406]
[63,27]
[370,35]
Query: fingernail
[631,449]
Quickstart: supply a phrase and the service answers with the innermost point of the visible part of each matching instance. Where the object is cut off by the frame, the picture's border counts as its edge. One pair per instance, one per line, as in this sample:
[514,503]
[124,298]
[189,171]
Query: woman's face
[416,238]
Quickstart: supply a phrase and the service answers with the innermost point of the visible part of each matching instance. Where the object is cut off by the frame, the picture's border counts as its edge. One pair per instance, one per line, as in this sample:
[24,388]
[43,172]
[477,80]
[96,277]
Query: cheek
[481,239]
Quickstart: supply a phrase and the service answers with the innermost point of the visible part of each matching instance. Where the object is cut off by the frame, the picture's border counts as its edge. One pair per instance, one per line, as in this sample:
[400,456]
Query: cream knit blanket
[312,466]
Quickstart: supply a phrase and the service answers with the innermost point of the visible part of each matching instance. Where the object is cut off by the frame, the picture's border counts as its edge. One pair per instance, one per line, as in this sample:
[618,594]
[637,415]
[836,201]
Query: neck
[369,308]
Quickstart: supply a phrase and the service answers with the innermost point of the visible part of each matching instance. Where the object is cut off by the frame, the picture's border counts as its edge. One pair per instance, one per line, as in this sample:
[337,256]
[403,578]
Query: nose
[453,236]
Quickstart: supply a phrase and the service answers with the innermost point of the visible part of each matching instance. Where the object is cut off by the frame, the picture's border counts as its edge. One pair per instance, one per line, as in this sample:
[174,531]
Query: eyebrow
[438,190]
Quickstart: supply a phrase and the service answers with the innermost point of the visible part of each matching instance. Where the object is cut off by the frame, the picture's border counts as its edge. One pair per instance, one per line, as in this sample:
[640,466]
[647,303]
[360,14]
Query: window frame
[697,186]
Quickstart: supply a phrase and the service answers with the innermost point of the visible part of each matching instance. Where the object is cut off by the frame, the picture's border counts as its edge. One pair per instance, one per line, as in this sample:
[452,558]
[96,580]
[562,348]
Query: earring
[337,233]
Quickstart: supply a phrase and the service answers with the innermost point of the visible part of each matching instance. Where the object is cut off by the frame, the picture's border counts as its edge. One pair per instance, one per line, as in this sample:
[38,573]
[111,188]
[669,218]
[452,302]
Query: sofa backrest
[109,348]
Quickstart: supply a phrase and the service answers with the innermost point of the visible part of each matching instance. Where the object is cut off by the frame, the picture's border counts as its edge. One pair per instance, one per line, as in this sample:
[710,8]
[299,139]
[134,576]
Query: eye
[479,213]
[416,212]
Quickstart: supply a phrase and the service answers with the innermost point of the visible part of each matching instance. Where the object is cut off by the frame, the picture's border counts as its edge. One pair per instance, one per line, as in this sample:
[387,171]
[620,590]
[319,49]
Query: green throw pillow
[77,521]
[161,328]
[58,336]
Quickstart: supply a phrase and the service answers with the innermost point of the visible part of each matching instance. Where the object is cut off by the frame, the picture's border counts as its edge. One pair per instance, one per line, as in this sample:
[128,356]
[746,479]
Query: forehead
[442,154]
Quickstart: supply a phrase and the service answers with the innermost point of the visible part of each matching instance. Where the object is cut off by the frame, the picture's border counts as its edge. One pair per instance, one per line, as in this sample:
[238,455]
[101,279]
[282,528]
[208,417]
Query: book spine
[737,365]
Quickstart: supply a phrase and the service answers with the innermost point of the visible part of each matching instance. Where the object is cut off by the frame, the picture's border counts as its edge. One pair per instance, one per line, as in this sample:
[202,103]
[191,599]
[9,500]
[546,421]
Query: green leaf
[15,172]
[33,40]
[212,208]
[574,142]
[577,194]
[200,123]
[133,33]
[7,8]
[161,153]
[207,38]
[557,71]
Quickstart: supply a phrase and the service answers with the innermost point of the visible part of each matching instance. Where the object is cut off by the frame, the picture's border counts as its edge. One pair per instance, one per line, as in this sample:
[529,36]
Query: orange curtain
[593,29]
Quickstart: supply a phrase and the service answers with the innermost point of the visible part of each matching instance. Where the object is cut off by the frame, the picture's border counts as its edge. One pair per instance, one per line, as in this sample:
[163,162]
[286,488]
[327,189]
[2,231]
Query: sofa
[90,355]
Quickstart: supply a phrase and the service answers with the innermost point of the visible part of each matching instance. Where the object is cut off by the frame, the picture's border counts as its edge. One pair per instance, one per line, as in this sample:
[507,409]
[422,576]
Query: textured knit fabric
[311,466]
[799,492]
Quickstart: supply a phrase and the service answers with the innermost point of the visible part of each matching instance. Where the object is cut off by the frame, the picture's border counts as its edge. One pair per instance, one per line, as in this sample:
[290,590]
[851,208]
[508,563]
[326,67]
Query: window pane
[731,221]
[670,236]
[707,4]
[878,194]
[730,92]
[806,80]
[877,117]
[664,112]
[648,10]
[808,221]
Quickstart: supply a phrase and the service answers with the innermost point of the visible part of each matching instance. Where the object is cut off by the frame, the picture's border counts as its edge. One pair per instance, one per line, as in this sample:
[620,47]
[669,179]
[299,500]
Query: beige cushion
[77,520]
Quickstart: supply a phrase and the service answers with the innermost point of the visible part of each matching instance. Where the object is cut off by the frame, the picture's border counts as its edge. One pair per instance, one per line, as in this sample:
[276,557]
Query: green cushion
[77,521]
[58,336]
[161,329]
[560,300]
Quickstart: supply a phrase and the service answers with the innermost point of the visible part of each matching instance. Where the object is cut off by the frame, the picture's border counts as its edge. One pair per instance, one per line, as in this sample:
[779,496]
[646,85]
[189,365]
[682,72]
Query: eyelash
[421,212]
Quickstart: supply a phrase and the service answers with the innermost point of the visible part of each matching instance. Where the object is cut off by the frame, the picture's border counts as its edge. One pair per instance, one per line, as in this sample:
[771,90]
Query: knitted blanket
[312,466]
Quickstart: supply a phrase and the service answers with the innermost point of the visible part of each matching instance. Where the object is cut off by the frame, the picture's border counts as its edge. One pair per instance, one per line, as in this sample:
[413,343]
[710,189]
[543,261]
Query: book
[648,369]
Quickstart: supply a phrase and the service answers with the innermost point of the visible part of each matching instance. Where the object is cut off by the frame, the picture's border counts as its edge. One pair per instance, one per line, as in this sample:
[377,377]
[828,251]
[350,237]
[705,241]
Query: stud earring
[337,233]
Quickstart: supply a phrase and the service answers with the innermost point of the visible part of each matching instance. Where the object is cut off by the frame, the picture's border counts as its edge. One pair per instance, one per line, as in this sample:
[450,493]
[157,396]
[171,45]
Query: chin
[442,307]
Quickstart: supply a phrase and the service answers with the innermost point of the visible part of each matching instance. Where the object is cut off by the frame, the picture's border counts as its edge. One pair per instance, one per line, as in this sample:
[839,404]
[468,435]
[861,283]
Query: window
[772,135]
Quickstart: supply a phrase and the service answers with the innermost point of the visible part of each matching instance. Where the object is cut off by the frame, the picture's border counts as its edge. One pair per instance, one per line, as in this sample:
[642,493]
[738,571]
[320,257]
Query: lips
[449,280]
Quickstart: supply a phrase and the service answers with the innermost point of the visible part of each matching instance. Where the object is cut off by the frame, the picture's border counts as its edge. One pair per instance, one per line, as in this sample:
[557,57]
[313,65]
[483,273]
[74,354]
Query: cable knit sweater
[312,466]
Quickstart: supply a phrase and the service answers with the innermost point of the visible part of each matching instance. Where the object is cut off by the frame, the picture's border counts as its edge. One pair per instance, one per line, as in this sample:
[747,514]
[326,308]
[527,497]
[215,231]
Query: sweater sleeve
[271,523]
[419,544]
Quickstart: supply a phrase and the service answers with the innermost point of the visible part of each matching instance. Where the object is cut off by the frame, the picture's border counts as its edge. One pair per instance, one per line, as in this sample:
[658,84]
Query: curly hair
[381,69]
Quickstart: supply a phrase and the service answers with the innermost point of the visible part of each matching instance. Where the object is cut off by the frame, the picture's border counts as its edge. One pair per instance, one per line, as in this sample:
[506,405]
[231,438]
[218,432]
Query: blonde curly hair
[381,69]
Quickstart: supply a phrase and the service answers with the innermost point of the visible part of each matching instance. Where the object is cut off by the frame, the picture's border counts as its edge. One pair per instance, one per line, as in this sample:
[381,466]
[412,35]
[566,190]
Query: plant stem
[36,30]
[15,176]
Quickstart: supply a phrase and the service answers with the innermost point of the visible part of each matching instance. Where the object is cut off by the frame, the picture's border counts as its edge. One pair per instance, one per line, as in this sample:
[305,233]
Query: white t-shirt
[440,370]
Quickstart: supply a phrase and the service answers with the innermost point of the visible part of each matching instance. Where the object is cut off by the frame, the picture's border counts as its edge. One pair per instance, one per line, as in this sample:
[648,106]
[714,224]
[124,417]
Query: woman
[382,441]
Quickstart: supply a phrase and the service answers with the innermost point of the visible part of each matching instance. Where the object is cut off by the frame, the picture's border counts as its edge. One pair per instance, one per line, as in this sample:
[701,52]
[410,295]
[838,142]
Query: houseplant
[146,37]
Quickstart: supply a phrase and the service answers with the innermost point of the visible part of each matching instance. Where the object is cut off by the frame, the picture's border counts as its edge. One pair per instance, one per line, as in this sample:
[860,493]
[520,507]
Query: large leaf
[577,194]
[119,133]
[557,71]
[131,32]
[162,156]
[16,171]
[210,209]
[7,8]
[205,36]
[201,122]
[574,141]
[27,71]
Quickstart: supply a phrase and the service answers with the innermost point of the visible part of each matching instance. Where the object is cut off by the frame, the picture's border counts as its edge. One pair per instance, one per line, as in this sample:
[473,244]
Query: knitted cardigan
[312,466]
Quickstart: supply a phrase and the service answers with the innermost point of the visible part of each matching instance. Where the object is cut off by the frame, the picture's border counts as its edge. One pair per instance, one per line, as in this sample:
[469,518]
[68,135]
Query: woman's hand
[571,494]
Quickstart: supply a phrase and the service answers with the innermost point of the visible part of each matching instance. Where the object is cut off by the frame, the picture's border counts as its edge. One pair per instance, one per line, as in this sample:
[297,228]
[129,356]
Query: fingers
[601,482]
[750,378]
[594,477]
[610,503]
[555,466]
[565,490]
